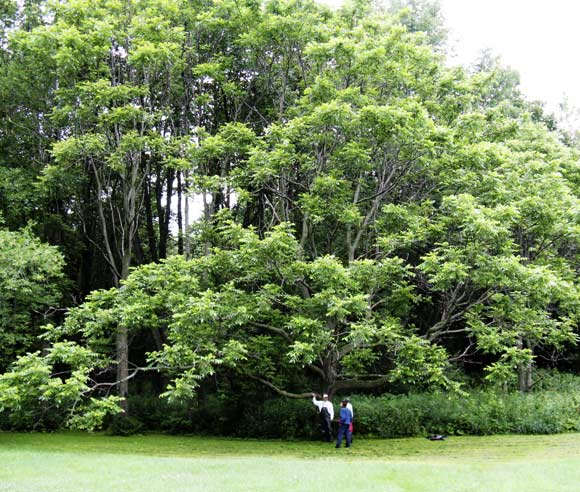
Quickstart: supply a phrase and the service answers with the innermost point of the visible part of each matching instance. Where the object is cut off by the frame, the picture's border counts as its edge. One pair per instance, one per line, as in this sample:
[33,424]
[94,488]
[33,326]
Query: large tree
[255,304]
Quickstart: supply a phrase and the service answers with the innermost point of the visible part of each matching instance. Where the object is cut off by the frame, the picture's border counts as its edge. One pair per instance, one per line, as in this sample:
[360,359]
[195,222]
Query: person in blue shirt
[345,421]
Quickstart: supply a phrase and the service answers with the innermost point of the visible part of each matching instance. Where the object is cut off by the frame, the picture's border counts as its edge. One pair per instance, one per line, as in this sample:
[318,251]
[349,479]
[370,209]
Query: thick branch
[281,391]
[316,369]
[438,328]
[273,329]
[350,384]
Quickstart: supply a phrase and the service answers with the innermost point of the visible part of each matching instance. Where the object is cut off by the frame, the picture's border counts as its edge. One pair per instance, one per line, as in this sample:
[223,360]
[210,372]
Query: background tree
[31,285]
[423,16]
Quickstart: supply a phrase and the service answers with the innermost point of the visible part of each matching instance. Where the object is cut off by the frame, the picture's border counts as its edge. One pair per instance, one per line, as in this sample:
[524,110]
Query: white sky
[540,39]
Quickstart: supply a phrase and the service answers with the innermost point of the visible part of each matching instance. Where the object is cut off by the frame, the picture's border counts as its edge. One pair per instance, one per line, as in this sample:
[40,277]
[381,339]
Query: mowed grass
[95,462]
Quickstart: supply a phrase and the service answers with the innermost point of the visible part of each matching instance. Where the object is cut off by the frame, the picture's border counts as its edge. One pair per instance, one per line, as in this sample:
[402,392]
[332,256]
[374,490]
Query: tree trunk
[165,215]
[180,231]
[525,377]
[524,370]
[152,241]
[122,344]
[187,242]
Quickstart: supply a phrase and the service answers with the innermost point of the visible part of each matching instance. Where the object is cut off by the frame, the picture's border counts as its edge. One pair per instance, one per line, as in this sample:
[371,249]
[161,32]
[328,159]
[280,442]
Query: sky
[538,38]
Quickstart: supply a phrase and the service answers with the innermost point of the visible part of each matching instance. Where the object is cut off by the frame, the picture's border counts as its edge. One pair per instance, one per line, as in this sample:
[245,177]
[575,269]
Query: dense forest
[239,199]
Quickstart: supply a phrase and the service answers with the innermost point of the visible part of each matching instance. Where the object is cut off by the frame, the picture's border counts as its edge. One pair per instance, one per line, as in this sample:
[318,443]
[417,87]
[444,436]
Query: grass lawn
[74,462]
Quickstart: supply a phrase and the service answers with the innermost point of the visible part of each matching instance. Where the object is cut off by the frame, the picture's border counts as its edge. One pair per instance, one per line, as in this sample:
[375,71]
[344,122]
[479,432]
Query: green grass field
[95,462]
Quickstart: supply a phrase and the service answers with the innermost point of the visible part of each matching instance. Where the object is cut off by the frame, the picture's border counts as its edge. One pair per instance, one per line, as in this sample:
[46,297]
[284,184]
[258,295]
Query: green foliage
[174,417]
[124,426]
[475,413]
[51,390]
[422,16]
[280,419]
[253,305]
[221,416]
[369,214]
[552,407]
[31,282]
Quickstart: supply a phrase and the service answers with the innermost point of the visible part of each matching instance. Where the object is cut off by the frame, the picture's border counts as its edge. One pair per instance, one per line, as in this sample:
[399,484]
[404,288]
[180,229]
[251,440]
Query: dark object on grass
[436,437]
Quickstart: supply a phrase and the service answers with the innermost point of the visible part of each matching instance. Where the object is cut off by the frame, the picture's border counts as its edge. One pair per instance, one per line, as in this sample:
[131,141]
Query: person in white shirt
[326,412]
[349,406]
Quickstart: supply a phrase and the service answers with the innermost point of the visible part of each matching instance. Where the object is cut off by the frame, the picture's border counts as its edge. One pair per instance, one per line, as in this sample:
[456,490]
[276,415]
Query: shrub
[553,407]
[478,413]
[124,426]
[158,414]
[280,418]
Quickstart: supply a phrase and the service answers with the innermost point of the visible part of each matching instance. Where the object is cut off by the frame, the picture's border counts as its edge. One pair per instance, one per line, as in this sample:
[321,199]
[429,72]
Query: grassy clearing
[95,463]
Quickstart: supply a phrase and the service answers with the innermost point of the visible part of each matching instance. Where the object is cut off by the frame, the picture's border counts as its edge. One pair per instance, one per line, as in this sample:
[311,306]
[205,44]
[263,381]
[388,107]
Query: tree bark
[524,370]
[525,377]
[122,344]
[150,227]
[180,230]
